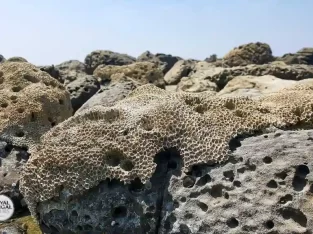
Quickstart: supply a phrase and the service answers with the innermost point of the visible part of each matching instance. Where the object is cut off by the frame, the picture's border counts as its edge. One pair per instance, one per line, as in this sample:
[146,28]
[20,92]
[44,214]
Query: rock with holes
[108,95]
[52,71]
[251,53]
[82,88]
[31,102]
[181,69]
[17,59]
[120,142]
[265,187]
[142,72]
[164,61]
[257,85]
[222,75]
[303,56]
[106,57]
[12,159]
[194,85]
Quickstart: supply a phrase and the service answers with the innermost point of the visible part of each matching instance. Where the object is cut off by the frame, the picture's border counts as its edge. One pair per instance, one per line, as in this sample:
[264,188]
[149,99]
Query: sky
[49,32]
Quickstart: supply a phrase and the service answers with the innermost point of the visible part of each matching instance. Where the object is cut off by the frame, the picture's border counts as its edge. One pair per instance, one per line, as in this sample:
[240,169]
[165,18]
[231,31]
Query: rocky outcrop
[52,71]
[181,69]
[165,61]
[221,76]
[142,72]
[106,57]
[303,56]
[211,59]
[17,59]
[71,66]
[251,53]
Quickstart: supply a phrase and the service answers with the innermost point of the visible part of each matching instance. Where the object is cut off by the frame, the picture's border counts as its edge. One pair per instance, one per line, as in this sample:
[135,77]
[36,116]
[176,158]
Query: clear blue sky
[53,31]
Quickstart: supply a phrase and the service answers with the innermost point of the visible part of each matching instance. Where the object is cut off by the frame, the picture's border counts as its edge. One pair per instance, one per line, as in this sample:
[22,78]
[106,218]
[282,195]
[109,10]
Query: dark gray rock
[71,65]
[265,187]
[12,160]
[108,95]
[106,57]
[2,59]
[52,71]
[303,56]
[165,61]
[81,88]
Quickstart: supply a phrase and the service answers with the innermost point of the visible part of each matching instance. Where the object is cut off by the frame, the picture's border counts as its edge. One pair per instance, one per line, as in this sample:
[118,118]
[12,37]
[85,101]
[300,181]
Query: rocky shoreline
[159,144]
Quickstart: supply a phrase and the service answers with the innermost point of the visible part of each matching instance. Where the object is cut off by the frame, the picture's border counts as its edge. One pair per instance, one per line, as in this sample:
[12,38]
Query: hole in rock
[294,214]
[299,181]
[127,165]
[4,105]
[119,212]
[204,180]
[226,195]
[31,78]
[232,223]
[113,157]
[87,217]
[146,124]
[136,186]
[33,117]
[241,170]
[285,199]
[184,229]
[61,102]
[20,110]
[269,224]
[19,133]
[302,170]
[216,191]
[8,148]
[74,213]
[265,136]
[189,181]
[234,143]
[4,174]
[237,183]
[267,160]
[230,105]
[272,184]
[204,207]
[183,199]
[16,89]
[229,175]
[311,188]
[281,175]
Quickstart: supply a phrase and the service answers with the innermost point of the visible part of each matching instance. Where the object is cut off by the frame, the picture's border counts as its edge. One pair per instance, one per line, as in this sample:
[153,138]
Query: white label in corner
[6,208]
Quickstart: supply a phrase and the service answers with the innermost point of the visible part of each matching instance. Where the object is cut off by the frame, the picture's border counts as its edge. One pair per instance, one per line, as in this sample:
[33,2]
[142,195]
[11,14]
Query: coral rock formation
[120,142]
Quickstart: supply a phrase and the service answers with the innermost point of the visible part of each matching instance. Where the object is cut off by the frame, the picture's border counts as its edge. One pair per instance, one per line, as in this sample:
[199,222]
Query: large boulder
[251,53]
[303,56]
[181,69]
[144,152]
[142,72]
[195,85]
[52,71]
[106,57]
[165,61]
[71,66]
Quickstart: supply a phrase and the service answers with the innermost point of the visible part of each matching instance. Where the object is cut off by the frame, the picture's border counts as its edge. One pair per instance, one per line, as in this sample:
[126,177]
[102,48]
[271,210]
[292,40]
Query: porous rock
[17,59]
[165,61]
[108,95]
[251,53]
[31,102]
[195,85]
[256,85]
[106,57]
[303,56]
[70,66]
[120,142]
[221,76]
[181,69]
[143,72]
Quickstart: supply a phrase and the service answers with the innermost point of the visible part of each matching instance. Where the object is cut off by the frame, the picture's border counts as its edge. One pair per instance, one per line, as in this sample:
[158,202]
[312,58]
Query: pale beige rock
[179,70]
[195,85]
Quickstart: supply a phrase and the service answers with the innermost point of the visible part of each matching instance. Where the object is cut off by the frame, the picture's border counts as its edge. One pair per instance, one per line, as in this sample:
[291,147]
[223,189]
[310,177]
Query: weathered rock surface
[165,61]
[303,56]
[106,57]
[142,72]
[52,71]
[251,53]
[196,85]
[221,76]
[181,69]
[17,59]
[256,85]
[108,95]
[70,66]
[82,89]
[266,187]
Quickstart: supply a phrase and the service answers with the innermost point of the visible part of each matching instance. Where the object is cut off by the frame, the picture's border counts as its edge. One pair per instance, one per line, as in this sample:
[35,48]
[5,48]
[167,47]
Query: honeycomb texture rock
[121,141]
[251,53]
[31,102]
[143,72]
